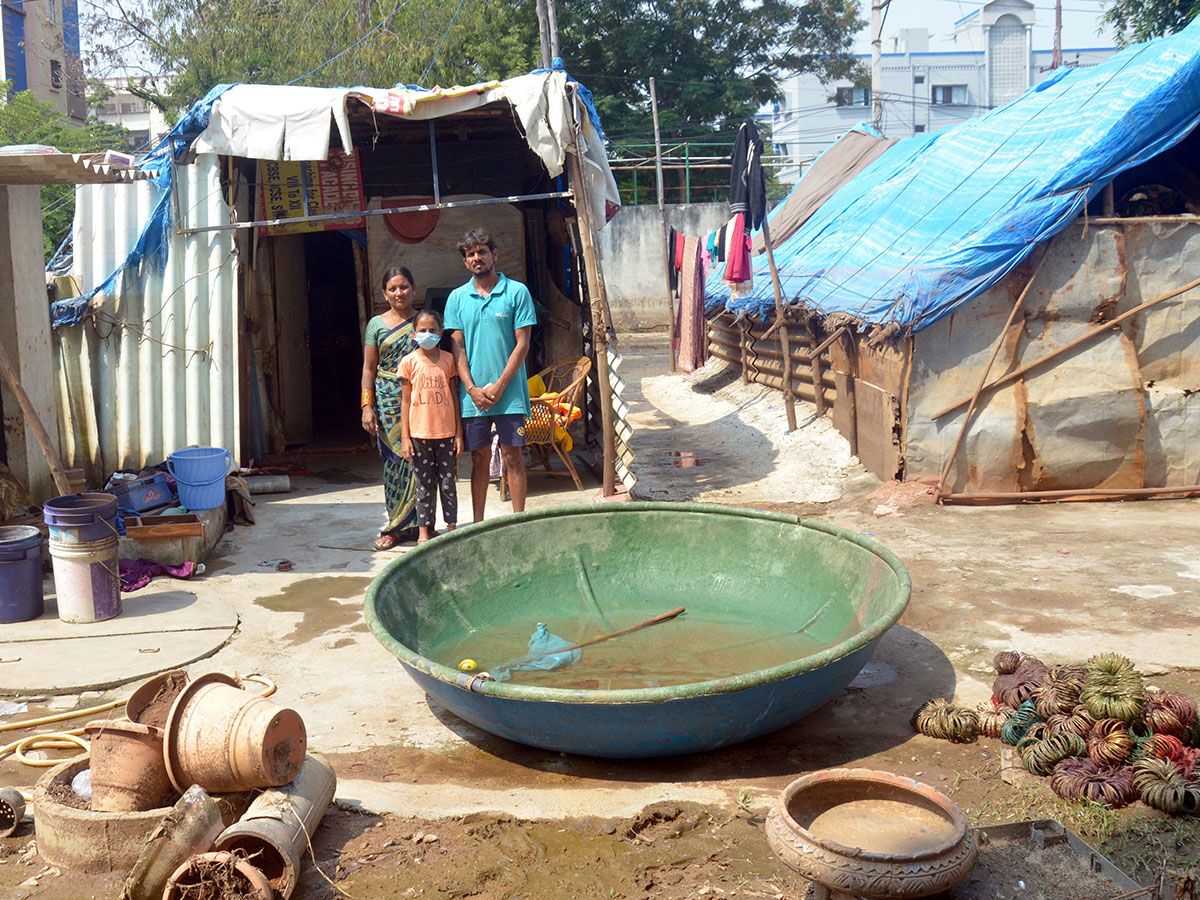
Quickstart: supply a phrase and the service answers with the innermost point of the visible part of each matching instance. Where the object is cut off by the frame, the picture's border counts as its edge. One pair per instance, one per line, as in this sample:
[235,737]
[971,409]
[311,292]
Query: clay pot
[128,772]
[12,810]
[151,703]
[252,882]
[278,827]
[226,739]
[871,834]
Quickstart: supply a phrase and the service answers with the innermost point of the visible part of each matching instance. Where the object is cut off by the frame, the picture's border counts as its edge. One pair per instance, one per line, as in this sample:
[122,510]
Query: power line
[399,6]
[425,77]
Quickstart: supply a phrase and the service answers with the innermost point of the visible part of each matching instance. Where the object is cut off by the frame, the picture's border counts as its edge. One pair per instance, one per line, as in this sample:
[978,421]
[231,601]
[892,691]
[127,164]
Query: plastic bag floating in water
[542,655]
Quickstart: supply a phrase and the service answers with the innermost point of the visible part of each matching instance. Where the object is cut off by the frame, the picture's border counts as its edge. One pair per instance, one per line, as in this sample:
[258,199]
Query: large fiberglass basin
[781,615]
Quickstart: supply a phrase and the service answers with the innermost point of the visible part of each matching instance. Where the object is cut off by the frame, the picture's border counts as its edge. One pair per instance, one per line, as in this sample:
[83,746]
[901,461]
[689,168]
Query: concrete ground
[1060,581]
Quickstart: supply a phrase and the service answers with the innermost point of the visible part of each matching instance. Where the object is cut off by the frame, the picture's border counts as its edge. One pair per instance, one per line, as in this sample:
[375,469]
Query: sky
[1081,21]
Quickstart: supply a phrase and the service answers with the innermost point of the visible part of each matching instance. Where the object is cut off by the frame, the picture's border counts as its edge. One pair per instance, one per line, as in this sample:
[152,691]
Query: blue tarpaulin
[939,218]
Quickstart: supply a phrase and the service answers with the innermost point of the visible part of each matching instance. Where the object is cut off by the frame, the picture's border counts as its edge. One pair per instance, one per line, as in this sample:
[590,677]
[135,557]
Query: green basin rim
[507,690]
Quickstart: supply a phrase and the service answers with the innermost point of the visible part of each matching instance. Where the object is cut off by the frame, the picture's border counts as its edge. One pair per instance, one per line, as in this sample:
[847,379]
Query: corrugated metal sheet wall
[155,369]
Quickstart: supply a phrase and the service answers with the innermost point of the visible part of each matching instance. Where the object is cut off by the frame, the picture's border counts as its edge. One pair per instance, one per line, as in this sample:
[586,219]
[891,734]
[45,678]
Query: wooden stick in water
[600,638]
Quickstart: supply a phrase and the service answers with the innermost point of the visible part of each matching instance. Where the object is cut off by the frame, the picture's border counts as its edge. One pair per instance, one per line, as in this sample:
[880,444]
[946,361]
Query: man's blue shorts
[477,430]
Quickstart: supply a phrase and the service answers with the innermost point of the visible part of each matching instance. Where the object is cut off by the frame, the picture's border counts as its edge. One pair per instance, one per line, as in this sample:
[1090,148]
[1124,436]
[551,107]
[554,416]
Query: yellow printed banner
[294,190]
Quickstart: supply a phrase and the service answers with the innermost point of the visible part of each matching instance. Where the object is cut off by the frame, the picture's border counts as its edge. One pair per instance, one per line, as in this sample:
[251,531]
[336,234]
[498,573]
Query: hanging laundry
[747,184]
[692,340]
[738,270]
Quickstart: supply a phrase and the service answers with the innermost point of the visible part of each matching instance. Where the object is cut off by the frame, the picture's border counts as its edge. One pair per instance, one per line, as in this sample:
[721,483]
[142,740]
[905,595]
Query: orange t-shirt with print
[433,397]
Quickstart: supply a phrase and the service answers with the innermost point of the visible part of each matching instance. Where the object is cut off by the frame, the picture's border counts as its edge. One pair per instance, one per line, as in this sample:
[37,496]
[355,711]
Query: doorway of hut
[335,340]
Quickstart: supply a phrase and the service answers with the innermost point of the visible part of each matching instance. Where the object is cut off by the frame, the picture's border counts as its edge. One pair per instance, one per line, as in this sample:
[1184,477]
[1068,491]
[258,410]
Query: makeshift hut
[223,302]
[1034,264]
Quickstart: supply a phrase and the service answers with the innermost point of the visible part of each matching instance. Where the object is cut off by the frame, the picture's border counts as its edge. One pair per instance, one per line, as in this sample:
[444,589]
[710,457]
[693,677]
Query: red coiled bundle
[1012,688]
[1169,712]
[1079,778]
[1110,743]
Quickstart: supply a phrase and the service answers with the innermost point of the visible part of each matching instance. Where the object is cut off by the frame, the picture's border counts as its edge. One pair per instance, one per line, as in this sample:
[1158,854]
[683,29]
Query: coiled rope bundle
[1110,742]
[1016,726]
[938,718]
[1161,785]
[1169,712]
[1113,689]
[1058,694]
[1041,756]
[1079,778]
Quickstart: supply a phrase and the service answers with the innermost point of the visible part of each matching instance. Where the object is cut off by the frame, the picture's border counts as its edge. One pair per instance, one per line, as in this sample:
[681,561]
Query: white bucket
[87,580]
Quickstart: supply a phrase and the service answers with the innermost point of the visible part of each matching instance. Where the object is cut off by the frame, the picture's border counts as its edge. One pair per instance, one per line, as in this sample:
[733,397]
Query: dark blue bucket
[20,573]
[200,475]
[81,518]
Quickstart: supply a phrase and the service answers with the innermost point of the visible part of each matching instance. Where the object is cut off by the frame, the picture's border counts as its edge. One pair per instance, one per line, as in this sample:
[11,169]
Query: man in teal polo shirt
[490,318]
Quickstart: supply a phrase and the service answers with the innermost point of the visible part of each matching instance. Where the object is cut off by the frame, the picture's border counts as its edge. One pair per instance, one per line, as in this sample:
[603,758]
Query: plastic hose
[60,717]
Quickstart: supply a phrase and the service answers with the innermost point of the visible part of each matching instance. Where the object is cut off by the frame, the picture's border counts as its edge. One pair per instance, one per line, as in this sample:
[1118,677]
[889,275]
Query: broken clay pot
[199,870]
[128,771]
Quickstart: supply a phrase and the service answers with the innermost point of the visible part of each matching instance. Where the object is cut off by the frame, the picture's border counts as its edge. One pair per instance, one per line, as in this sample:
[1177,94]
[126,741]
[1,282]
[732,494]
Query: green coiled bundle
[992,718]
[1110,743]
[1113,689]
[1041,756]
[1078,722]
[1079,778]
[937,718]
[1161,785]
[1058,694]
[1169,712]
[1015,727]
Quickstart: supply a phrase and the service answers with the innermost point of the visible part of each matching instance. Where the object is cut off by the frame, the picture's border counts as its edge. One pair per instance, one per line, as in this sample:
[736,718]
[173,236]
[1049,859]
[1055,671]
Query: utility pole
[662,215]
[544,32]
[1056,60]
[552,15]
[877,7]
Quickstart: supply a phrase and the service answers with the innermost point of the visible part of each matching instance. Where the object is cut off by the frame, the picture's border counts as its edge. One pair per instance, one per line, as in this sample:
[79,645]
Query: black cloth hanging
[747,185]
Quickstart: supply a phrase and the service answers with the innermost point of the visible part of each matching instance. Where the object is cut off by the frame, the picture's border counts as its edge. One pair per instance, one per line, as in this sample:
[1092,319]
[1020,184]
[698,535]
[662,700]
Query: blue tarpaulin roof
[937,219]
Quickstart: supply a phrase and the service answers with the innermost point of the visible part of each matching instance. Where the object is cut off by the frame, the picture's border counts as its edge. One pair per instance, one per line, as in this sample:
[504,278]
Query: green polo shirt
[489,326]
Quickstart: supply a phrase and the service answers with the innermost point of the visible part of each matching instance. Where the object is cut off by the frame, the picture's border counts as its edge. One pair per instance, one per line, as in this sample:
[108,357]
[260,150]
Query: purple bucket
[81,518]
[87,580]
[20,573]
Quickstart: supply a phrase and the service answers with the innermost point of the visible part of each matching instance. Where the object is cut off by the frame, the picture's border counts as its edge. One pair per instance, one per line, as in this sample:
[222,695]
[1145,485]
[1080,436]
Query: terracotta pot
[226,739]
[871,834]
[128,772]
[253,882]
[151,703]
[277,829]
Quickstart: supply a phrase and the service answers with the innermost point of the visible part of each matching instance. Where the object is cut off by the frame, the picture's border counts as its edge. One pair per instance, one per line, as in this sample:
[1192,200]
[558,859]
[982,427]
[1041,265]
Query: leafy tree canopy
[1141,20]
[25,119]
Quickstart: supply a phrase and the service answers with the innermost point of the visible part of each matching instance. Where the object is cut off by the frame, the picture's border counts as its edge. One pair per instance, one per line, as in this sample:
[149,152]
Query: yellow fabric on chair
[537,386]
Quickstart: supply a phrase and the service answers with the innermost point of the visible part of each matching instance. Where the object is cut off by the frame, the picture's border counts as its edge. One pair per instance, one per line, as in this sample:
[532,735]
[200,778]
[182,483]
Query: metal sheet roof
[64,168]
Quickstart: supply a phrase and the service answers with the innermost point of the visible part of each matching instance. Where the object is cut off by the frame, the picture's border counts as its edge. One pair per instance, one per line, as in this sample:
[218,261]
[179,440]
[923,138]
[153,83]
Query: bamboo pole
[815,360]
[789,402]
[599,301]
[13,380]
[937,491]
[1070,345]
[662,215]
[1082,493]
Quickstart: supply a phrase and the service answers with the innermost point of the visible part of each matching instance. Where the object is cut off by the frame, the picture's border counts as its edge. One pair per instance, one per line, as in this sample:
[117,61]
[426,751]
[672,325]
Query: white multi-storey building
[144,121]
[993,62]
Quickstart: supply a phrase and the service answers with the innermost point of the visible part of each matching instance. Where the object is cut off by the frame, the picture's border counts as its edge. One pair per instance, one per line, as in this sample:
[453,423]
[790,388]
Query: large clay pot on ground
[128,772]
[226,739]
[222,871]
[875,835]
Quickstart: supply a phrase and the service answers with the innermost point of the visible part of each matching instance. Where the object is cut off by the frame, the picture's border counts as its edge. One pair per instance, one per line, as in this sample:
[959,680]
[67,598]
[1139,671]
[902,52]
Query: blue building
[41,52]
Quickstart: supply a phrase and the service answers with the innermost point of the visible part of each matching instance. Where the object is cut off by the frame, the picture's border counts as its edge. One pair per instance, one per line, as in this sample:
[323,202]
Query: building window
[56,76]
[52,10]
[853,96]
[949,94]
[918,129]
[918,79]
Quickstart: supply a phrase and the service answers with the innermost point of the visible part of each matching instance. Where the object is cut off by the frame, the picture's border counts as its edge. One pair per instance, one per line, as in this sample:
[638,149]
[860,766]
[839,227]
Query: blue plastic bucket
[20,573]
[81,518]
[200,475]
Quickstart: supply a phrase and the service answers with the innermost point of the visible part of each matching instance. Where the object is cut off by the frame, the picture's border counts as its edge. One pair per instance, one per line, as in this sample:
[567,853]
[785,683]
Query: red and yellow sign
[295,190]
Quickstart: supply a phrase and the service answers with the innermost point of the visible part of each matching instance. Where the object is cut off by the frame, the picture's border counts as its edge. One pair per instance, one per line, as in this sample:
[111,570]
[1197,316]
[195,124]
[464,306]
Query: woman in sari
[388,340]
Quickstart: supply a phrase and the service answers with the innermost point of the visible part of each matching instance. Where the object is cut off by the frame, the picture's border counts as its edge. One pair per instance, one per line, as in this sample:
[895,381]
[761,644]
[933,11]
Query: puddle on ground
[328,602]
[688,459]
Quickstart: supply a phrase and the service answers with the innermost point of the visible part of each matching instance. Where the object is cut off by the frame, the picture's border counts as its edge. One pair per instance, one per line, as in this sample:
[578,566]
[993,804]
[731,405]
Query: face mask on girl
[426,340]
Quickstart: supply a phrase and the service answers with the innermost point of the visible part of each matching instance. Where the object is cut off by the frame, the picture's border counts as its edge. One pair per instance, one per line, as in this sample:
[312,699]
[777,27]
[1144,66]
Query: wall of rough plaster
[1121,410]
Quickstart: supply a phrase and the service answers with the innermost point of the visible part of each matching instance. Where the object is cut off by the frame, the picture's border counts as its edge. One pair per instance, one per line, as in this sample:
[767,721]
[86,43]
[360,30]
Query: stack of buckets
[200,476]
[20,573]
[83,549]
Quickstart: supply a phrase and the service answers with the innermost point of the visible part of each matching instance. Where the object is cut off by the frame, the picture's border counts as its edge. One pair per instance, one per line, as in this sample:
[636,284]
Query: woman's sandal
[386,542]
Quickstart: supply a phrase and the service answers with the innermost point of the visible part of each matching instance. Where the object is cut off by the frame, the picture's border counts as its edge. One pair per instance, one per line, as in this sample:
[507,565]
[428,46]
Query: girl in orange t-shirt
[430,423]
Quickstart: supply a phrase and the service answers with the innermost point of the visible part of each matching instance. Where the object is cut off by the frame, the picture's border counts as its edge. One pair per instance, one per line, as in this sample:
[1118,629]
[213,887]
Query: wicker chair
[566,380]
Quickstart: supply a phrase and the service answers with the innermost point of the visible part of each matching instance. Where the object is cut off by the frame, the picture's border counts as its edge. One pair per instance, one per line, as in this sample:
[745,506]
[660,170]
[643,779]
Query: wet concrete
[318,600]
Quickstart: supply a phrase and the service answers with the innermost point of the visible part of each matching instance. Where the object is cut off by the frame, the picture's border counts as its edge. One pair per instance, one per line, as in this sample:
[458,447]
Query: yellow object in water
[468,665]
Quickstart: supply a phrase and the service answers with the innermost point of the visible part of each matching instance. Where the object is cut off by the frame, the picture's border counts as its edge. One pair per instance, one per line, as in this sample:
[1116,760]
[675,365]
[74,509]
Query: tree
[1142,20]
[25,119]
